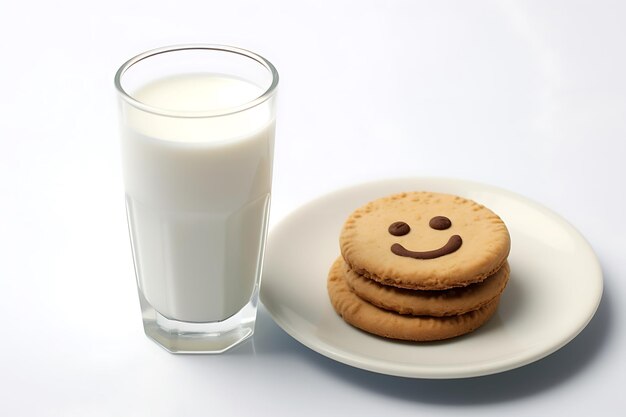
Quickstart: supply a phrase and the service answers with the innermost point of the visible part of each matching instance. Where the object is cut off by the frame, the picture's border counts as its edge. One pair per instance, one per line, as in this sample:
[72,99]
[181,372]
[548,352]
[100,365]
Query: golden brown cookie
[367,317]
[424,240]
[438,303]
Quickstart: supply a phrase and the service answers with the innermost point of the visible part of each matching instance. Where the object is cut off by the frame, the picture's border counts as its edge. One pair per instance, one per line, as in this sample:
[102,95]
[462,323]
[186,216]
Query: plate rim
[419,372]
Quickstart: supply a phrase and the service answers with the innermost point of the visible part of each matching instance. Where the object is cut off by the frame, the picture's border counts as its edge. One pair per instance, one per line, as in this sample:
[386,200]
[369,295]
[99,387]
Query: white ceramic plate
[554,289]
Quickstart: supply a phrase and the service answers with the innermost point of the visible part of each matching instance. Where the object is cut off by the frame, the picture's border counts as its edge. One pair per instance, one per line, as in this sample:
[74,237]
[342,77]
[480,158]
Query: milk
[197,194]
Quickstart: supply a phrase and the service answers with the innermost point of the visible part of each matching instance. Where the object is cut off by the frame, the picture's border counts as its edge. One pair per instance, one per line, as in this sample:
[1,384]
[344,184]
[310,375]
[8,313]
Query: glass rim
[268,93]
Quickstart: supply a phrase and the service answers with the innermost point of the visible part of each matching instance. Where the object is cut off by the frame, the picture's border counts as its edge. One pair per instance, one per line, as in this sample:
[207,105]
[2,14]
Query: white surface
[527,96]
[553,292]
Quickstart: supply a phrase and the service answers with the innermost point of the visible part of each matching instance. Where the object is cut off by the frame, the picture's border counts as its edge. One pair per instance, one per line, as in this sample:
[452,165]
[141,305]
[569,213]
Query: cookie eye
[440,223]
[399,228]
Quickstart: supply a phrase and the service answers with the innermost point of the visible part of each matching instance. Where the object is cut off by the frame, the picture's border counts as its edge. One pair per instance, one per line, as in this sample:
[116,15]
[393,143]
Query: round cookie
[425,241]
[438,303]
[367,317]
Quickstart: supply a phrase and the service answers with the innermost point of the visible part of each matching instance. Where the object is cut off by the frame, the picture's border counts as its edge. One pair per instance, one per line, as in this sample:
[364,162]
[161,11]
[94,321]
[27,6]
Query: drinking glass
[197,144]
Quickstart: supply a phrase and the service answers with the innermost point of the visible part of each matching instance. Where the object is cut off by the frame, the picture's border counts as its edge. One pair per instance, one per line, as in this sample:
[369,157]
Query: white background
[528,96]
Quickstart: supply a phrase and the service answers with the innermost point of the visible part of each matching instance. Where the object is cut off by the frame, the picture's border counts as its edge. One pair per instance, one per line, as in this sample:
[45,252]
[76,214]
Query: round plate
[554,289]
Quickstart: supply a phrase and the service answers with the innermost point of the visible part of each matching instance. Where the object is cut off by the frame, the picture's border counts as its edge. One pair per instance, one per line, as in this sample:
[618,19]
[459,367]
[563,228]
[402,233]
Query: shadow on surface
[540,376]
[269,339]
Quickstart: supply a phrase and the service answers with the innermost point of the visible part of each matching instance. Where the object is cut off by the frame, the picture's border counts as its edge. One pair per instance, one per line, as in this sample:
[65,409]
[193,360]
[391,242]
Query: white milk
[197,194]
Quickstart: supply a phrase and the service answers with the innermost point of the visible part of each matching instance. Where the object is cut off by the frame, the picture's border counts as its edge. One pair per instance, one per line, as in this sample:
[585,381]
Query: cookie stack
[420,266]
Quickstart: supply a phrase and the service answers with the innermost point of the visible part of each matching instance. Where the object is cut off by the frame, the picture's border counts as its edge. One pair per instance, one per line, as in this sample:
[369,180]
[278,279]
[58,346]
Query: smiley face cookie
[424,241]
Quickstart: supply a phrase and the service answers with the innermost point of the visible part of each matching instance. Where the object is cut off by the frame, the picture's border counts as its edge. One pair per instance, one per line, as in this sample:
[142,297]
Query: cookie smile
[453,244]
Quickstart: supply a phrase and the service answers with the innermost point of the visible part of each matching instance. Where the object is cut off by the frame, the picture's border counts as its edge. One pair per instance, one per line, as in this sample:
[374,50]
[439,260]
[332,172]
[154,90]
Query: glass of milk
[197,142]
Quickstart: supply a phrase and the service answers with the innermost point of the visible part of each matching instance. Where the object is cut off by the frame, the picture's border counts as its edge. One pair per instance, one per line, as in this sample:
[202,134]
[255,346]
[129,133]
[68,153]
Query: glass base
[202,338]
